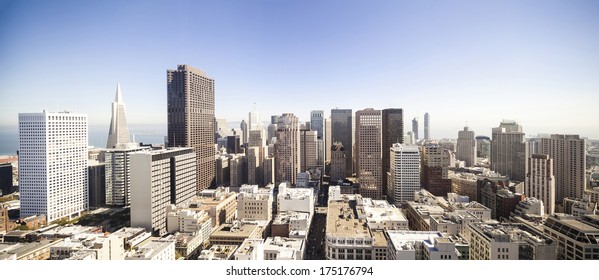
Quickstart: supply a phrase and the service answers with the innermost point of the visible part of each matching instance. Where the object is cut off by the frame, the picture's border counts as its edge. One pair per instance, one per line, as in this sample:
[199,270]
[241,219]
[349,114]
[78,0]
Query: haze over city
[468,62]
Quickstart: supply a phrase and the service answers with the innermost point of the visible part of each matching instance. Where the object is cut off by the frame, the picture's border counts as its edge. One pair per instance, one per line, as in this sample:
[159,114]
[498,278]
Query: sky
[463,62]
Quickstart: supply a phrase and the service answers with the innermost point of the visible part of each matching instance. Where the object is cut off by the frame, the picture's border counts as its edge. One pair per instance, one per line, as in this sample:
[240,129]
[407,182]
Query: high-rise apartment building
[569,159]
[466,147]
[341,131]
[508,150]
[191,118]
[427,126]
[119,131]
[287,149]
[53,164]
[392,120]
[415,128]
[160,178]
[404,174]
[540,181]
[308,150]
[369,156]
[118,173]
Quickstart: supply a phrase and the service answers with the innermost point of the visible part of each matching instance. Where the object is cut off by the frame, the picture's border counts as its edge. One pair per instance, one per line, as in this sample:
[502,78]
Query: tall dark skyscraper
[191,118]
[392,133]
[415,128]
[341,130]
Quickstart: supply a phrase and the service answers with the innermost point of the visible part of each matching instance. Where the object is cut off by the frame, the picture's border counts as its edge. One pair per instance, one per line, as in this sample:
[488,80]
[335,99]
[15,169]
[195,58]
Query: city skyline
[494,61]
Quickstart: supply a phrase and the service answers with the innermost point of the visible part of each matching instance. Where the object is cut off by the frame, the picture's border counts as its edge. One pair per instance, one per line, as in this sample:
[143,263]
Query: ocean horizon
[97,136]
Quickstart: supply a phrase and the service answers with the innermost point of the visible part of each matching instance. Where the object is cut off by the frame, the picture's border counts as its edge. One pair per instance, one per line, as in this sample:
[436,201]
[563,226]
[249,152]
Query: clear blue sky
[462,61]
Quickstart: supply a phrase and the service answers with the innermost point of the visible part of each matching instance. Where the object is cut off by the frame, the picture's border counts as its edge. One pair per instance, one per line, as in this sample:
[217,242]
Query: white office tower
[404,174]
[160,178]
[53,164]
[466,147]
[119,131]
[540,181]
[118,173]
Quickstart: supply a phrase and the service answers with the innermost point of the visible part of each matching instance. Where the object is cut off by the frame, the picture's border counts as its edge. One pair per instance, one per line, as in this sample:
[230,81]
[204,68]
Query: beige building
[219,203]
[569,159]
[494,241]
[255,203]
[287,149]
[369,152]
[191,118]
[237,232]
[508,150]
[576,236]
[540,182]
[466,147]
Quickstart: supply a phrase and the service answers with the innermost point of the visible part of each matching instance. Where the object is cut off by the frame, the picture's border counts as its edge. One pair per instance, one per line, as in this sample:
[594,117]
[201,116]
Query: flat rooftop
[342,221]
[404,240]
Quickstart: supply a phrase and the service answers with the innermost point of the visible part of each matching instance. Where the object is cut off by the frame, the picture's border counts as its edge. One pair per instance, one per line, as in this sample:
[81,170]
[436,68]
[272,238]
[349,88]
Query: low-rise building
[197,223]
[295,199]
[96,246]
[238,231]
[255,203]
[156,249]
[39,250]
[348,237]
[379,214]
[282,248]
[219,203]
[291,224]
[576,237]
[218,252]
[420,245]
[250,250]
[494,241]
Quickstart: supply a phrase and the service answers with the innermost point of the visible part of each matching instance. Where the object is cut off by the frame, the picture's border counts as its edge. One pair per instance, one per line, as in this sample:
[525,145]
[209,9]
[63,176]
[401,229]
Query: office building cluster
[349,185]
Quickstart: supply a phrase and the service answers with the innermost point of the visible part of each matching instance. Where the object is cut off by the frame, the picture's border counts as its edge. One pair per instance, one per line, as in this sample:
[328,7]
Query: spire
[118,98]
[119,131]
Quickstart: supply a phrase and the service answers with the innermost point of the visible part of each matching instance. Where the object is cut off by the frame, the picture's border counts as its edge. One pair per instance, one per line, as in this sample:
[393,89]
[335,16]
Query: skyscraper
[254,120]
[435,173]
[466,147]
[328,139]
[392,133]
[337,162]
[369,141]
[540,182]
[53,164]
[508,150]
[341,131]
[426,127]
[404,174]
[308,150]
[191,117]
[255,156]
[415,128]
[317,123]
[244,132]
[119,131]
[287,149]
[569,159]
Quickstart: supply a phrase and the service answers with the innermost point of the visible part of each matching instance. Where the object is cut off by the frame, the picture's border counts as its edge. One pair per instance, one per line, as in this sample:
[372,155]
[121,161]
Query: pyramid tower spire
[119,131]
